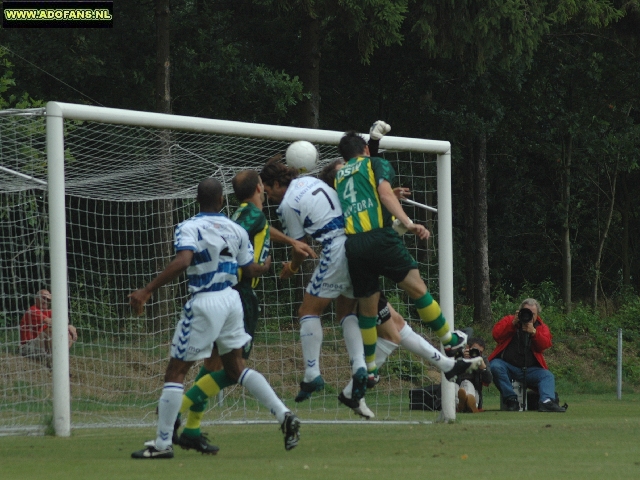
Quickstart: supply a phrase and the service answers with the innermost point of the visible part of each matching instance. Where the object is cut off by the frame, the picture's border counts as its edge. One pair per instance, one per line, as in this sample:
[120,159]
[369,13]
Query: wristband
[292,270]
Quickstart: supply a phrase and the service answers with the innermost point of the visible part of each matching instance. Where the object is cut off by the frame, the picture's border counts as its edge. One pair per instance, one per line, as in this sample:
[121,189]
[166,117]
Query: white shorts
[206,318]
[469,389]
[331,277]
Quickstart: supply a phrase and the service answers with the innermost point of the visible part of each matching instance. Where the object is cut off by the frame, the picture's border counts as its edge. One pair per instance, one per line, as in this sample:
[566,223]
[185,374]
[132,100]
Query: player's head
[328,172]
[42,299]
[245,184]
[210,195]
[351,145]
[276,177]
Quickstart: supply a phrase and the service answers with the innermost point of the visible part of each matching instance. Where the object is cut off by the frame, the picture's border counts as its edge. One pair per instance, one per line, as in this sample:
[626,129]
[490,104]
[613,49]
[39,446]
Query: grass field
[598,438]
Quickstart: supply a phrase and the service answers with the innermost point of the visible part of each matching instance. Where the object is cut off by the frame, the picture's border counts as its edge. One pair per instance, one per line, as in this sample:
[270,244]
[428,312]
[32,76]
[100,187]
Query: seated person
[470,384]
[521,339]
[35,329]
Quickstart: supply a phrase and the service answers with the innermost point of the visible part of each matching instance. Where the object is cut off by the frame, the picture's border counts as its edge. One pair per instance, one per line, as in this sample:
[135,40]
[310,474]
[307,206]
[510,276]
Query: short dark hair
[245,184]
[276,171]
[351,145]
[328,172]
[478,341]
[210,194]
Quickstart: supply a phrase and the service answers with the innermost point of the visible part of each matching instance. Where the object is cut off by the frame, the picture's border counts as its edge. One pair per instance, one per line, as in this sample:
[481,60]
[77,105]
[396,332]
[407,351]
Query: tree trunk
[482,294]
[566,235]
[468,199]
[310,73]
[603,237]
[163,63]
[162,308]
[626,262]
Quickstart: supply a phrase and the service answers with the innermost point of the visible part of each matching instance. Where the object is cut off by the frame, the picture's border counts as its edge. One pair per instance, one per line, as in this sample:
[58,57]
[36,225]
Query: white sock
[384,348]
[311,340]
[168,409]
[258,386]
[353,339]
[418,345]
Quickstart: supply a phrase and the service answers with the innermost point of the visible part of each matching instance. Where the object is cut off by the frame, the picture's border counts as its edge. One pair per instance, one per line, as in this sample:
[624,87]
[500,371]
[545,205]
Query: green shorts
[251,309]
[374,253]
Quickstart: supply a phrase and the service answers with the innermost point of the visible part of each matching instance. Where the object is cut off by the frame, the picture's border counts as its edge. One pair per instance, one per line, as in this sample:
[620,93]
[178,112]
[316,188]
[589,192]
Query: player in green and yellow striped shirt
[374,248]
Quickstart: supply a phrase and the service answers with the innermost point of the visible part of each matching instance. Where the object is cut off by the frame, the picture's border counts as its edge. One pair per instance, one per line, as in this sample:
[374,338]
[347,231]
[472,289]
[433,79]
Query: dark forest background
[539,99]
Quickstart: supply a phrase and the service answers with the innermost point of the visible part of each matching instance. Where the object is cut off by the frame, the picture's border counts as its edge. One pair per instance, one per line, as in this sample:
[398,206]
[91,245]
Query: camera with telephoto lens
[474,352]
[525,316]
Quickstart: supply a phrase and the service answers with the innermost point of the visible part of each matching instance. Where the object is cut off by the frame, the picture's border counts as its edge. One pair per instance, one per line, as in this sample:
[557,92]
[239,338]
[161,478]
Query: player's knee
[176,370]
[413,285]
[233,364]
[388,331]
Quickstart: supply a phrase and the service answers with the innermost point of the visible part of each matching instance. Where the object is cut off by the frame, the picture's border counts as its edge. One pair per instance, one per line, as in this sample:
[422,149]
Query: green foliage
[8,97]
[596,13]
[477,33]
[374,23]
[6,79]
[284,90]
[404,367]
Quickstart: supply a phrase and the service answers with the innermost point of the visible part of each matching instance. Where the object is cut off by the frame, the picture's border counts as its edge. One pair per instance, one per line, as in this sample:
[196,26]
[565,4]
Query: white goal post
[141,158]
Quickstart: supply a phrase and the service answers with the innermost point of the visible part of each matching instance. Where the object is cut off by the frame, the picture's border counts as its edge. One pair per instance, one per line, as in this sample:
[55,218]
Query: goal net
[129,179]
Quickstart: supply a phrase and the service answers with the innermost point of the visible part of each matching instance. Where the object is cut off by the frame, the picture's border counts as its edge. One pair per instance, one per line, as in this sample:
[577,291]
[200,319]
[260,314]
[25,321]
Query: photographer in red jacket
[521,339]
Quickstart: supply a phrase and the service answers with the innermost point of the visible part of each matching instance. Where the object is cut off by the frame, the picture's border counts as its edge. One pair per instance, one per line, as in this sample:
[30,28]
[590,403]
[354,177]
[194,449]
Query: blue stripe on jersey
[230,268]
[201,257]
[307,223]
[334,224]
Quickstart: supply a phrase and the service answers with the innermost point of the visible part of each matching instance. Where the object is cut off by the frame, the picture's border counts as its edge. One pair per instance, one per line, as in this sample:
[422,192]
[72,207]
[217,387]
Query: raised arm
[300,251]
[254,269]
[390,200]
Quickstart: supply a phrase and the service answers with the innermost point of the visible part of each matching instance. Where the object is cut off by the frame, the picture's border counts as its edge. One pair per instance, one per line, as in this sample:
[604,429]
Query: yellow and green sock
[369,338]
[431,314]
[195,399]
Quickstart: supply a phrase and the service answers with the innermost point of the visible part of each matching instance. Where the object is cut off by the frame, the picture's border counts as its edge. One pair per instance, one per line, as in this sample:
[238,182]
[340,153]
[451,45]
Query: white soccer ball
[302,155]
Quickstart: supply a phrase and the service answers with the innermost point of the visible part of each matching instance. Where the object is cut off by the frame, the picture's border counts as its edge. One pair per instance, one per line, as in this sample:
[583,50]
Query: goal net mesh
[126,189]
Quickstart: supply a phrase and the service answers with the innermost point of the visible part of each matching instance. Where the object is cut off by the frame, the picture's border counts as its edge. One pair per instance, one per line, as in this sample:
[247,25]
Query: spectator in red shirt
[521,340]
[35,328]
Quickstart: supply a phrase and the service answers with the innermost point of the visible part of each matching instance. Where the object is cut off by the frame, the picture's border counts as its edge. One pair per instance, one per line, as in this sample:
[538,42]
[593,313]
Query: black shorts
[384,313]
[251,309]
[374,253]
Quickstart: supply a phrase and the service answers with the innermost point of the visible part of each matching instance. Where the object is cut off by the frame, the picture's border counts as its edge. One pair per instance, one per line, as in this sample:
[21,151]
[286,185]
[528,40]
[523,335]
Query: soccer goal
[89,198]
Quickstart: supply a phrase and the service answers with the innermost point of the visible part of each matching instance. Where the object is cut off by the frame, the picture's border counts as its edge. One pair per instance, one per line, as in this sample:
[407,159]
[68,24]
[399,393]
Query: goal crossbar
[228,127]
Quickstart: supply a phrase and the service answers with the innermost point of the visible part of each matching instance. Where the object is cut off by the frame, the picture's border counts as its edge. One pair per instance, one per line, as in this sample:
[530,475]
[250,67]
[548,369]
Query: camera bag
[426,398]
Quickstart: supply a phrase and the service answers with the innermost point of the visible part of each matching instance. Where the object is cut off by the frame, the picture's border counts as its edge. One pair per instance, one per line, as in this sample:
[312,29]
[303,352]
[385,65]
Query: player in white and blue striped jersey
[308,206]
[210,248]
